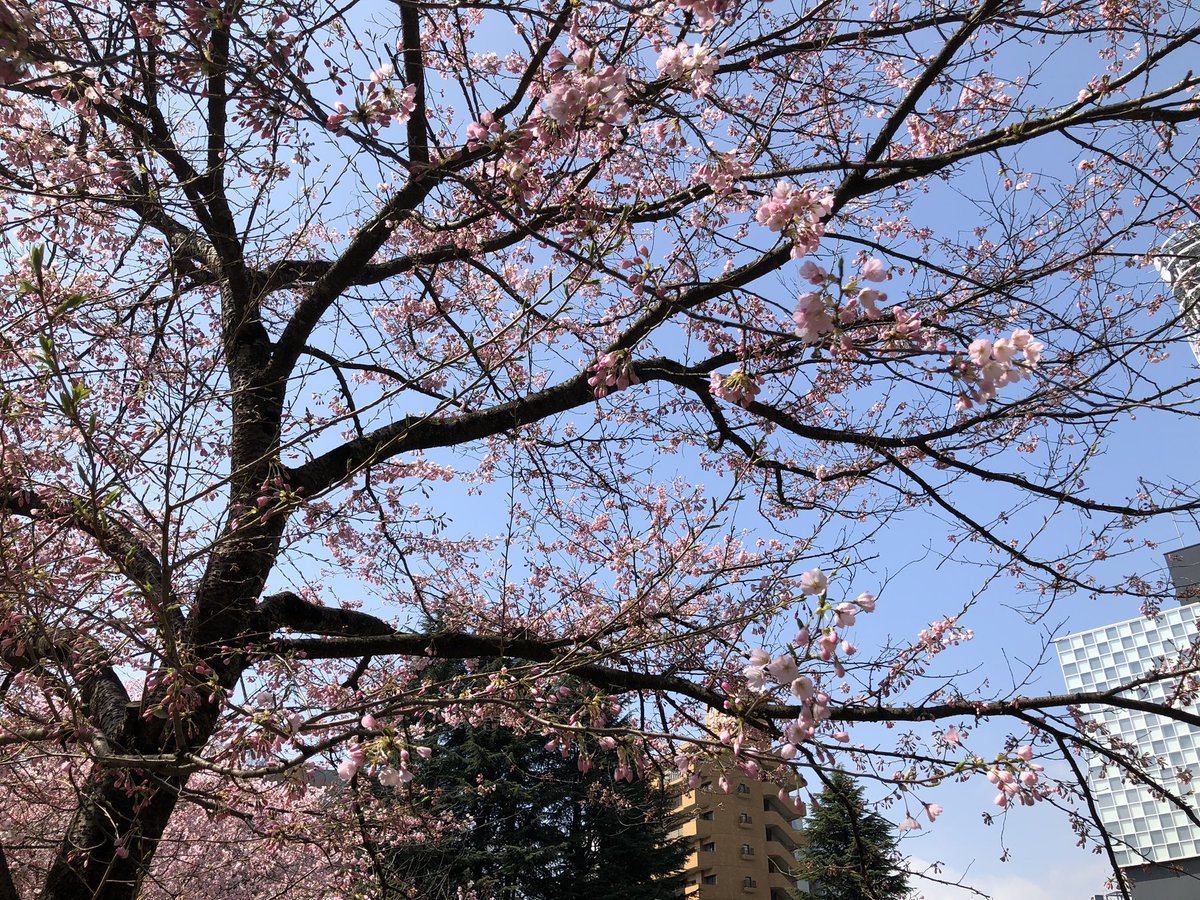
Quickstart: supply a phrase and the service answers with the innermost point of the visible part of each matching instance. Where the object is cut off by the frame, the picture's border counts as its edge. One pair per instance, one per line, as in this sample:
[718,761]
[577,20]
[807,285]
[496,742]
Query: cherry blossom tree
[611,337]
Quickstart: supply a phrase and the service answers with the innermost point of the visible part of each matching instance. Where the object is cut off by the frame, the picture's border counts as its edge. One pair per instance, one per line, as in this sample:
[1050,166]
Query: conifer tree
[850,852]
[523,822]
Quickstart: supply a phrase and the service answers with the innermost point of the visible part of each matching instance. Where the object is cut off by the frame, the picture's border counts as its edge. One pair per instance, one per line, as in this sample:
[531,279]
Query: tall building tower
[1156,843]
[744,842]
[1178,262]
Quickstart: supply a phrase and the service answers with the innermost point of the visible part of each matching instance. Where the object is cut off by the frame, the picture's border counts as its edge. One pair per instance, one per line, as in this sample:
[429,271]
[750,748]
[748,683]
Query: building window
[710,879]
[747,850]
[710,847]
[743,789]
[707,816]
[745,819]
[749,882]
[706,787]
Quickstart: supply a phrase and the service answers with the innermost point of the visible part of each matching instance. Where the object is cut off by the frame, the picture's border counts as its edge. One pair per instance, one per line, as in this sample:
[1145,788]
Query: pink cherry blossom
[694,65]
[813,273]
[613,370]
[813,318]
[800,212]
[803,689]
[783,669]
[706,11]
[868,299]
[874,270]
[737,387]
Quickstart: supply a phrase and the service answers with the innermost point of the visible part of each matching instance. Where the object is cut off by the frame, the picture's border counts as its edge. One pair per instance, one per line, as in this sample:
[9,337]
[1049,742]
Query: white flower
[783,669]
[813,582]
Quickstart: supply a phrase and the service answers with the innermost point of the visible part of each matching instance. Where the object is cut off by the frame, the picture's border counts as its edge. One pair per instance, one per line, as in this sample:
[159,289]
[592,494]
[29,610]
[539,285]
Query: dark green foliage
[536,827]
[851,852]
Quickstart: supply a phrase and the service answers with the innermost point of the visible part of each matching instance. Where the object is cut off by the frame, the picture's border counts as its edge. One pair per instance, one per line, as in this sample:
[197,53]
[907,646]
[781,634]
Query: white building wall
[1144,829]
[1178,262]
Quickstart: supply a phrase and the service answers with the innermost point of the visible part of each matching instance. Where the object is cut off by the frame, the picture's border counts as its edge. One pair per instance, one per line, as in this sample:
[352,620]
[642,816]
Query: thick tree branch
[8,890]
[414,74]
[33,648]
[289,610]
[368,635]
[132,558]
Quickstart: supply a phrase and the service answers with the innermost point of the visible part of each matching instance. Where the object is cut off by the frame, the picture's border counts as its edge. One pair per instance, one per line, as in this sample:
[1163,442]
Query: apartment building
[744,842]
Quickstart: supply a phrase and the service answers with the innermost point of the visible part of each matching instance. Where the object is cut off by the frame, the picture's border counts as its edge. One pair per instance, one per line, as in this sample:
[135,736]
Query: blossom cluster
[598,712]
[485,128]
[583,95]
[986,367]
[990,365]
[394,766]
[641,271]
[613,370]
[764,672]
[817,313]
[943,634]
[695,66]
[1018,782]
[801,213]
[721,173]
[380,103]
[736,387]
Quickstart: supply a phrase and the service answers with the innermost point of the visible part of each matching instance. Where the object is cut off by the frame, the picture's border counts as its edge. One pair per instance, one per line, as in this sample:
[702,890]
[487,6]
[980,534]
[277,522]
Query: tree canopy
[527,821]
[620,340]
[850,851]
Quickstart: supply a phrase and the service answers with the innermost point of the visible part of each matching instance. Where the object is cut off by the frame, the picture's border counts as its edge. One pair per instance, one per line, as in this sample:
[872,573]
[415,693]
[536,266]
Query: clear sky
[1043,859]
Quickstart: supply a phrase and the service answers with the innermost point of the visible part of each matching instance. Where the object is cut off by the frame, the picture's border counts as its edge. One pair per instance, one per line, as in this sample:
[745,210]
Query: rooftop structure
[1184,566]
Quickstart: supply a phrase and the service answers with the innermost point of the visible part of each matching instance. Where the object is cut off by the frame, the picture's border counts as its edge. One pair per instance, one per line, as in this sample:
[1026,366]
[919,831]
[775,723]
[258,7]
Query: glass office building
[1144,828]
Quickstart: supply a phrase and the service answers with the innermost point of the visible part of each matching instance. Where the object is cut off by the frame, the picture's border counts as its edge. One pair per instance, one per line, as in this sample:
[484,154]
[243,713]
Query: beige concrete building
[743,842]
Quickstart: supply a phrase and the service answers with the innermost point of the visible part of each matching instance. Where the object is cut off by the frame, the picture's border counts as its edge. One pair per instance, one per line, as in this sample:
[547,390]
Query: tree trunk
[112,838]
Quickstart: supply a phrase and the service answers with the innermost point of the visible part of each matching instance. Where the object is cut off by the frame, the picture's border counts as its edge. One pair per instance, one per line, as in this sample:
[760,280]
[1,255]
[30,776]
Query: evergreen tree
[851,851]
[526,824]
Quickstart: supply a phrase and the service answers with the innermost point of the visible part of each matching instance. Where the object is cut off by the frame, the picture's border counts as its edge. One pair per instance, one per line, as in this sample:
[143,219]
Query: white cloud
[1079,880]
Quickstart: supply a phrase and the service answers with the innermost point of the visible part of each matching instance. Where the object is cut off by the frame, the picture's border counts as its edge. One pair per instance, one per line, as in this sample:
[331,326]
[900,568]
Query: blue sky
[921,577]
